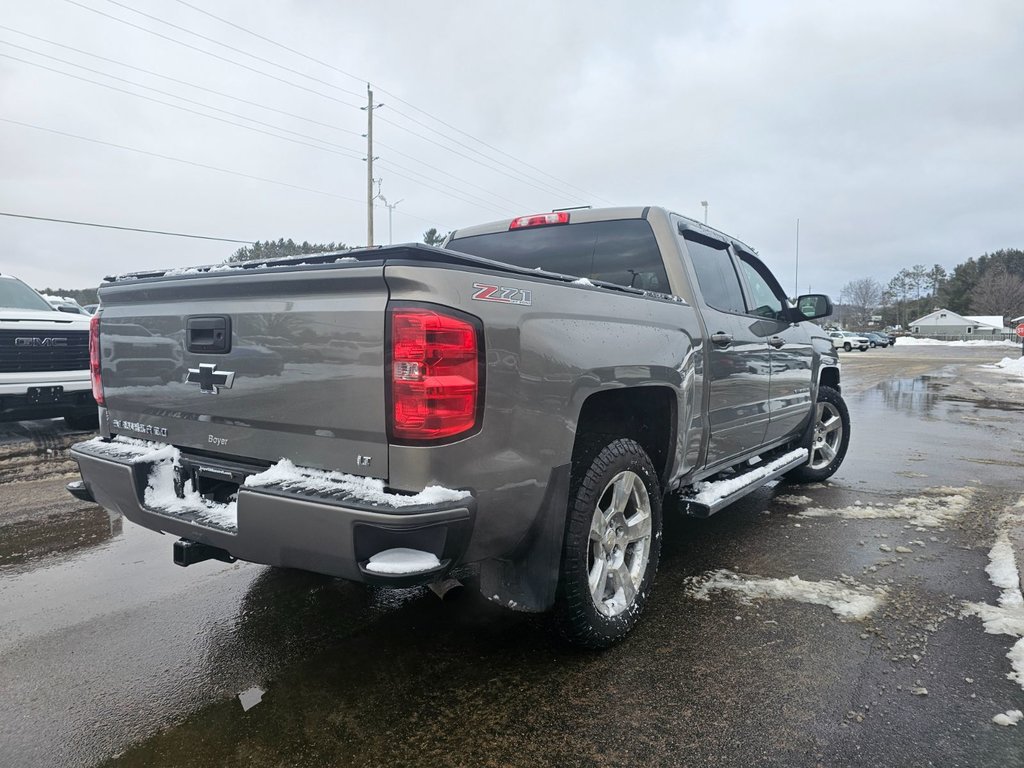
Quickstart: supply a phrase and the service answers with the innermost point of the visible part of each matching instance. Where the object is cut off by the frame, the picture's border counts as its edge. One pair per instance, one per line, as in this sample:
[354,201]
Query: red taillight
[435,374]
[540,220]
[94,358]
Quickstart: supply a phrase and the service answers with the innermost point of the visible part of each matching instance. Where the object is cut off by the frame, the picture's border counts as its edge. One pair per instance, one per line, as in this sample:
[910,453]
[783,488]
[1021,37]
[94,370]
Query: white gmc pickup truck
[44,359]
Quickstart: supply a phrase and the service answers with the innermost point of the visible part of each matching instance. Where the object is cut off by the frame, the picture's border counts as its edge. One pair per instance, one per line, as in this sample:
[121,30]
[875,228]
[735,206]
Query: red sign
[1020,330]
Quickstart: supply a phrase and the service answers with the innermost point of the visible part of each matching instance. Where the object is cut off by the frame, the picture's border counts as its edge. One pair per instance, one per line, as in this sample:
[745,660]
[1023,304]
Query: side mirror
[811,306]
[66,308]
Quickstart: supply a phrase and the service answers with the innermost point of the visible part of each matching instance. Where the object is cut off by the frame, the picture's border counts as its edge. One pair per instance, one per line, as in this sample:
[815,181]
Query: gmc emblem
[29,341]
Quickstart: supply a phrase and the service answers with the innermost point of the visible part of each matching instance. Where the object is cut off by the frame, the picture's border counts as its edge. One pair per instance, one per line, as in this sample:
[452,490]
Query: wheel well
[644,414]
[830,378]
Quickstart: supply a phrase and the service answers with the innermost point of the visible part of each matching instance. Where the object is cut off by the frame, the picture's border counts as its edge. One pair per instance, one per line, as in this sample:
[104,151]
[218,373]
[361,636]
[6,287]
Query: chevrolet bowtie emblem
[209,379]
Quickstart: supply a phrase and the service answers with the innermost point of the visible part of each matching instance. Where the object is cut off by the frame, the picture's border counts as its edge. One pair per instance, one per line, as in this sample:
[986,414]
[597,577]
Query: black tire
[619,465]
[827,449]
[81,422]
[848,347]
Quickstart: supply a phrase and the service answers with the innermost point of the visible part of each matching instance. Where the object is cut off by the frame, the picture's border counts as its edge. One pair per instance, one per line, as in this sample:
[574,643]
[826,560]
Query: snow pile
[1009,717]
[847,599]
[402,560]
[582,281]
[934,508]
[160,496]
[130,448]
[911,341]
[1013,366]
[709,493]
[371,490]
[792,500]
[1008,617]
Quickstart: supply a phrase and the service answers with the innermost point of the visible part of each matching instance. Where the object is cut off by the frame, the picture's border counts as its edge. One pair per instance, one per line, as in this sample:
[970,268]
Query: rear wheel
[612,545]
[830,439]
[848,346]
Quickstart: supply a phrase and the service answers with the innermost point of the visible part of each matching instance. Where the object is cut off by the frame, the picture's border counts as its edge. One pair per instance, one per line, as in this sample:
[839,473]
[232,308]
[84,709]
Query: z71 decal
[502,295]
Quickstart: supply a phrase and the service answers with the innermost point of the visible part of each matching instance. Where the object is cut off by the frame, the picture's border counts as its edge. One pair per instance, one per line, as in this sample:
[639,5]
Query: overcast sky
[893,131]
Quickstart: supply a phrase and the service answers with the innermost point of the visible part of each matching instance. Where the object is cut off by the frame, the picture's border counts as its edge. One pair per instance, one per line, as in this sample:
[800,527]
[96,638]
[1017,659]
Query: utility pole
[705,204]
[370,106]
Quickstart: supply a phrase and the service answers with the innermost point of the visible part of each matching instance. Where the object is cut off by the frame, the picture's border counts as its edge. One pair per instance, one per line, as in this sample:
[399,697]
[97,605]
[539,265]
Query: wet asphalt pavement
[110,654]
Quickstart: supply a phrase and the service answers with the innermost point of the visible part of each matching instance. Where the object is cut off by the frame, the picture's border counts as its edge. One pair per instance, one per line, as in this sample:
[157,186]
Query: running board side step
[704,499]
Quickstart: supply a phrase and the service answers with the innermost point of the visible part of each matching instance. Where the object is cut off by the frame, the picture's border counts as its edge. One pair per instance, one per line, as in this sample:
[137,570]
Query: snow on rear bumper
[303,529]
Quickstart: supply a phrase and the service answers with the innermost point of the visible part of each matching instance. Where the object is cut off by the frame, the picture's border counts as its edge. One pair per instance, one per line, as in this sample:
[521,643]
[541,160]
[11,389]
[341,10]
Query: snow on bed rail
[371,490]
[709,493]
[847,599]
[130,448]
[160,495]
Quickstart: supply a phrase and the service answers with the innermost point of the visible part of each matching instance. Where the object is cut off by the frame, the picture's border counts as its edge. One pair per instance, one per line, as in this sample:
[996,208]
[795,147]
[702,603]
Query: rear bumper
[292,530]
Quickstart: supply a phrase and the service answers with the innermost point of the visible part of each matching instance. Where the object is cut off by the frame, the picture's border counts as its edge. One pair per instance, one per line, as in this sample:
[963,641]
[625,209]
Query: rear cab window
[622,252]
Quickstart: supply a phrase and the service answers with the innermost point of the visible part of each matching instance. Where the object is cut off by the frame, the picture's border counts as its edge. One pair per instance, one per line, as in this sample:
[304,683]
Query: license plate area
[45,394]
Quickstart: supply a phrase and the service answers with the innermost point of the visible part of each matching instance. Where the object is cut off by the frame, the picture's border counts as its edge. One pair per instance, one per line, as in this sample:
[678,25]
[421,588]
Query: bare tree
[998,293]
[863,296]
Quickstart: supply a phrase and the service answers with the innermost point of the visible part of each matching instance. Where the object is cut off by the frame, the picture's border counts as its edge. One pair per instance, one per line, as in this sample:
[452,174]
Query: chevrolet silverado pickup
[522,400]
[44,359]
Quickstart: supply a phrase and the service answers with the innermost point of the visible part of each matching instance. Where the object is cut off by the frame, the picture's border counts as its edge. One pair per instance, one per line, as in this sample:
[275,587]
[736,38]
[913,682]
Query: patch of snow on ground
[582,281]
[368,489]
[1008,617]
[792,500]
[709,493]
[1009,365]
[934,508]
[1009,717]
[846,599]
[402,560]
[910,341]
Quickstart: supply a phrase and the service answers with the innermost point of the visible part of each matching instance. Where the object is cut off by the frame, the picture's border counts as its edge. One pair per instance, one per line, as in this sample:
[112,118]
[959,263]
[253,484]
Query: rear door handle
[777,341]
[721,339]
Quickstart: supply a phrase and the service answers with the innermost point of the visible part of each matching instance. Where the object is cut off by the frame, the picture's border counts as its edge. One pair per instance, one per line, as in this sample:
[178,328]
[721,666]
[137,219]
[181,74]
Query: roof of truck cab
[584,215]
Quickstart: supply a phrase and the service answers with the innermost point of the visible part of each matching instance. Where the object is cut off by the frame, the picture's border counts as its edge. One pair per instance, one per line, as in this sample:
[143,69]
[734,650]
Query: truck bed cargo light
[540,220]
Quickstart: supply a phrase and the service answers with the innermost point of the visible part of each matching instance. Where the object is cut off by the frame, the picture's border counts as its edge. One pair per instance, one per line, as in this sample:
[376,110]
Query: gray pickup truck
[521,399]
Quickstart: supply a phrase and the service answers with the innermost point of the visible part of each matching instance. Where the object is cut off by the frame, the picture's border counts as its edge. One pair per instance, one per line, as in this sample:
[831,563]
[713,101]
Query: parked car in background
[848,340]
[877,339]
[64,304]
[91,308]
[44,359]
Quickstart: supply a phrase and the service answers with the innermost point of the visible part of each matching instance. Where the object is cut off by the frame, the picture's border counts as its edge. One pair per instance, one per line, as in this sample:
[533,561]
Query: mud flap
[528,581]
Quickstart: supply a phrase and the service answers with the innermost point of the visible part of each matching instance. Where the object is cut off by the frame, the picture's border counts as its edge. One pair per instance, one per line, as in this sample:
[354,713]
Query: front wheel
[848,347]
[830,439]
[612,545]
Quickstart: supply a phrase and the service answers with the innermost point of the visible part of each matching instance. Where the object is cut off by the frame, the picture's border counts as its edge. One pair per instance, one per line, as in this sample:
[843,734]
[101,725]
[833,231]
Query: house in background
[945,322]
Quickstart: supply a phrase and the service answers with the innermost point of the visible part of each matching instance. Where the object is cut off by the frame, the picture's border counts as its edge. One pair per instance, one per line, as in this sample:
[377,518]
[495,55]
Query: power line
[199,165]
[344,151]
[232,48]
[213,55]
[353,154]
[322,63]
[217,109]
[125,229]
[180,160]
[116,62]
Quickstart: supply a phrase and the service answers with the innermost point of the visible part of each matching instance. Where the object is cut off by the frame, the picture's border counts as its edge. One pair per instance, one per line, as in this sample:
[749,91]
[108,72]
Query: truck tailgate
[260,364]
